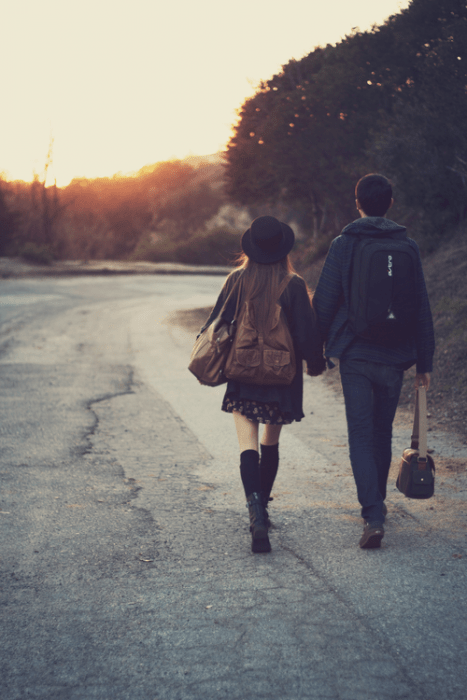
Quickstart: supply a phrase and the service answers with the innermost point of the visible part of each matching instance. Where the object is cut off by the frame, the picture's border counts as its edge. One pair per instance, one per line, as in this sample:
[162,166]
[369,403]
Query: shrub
[35,253]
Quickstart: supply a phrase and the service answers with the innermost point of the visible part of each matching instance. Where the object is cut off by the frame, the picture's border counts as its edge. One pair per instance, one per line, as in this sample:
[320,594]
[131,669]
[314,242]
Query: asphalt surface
[126,570]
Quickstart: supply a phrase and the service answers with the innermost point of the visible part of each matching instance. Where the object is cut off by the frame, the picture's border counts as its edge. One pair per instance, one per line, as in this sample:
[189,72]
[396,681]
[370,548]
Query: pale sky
[119,85]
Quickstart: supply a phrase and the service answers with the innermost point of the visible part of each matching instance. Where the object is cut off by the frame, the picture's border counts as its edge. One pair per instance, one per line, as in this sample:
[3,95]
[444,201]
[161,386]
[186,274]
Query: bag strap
[416,422]
[236,286]
[422,424]
[419,434]
[283,285]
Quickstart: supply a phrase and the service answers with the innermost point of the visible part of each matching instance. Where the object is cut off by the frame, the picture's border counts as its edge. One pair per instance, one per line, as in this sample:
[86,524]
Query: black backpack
[383,289]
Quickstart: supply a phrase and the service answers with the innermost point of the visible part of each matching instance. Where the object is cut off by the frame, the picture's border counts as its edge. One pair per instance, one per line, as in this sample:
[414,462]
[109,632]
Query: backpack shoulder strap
[283,285]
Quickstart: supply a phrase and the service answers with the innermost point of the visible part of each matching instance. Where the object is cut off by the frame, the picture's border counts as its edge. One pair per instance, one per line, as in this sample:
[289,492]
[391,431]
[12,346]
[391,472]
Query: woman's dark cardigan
[306,337]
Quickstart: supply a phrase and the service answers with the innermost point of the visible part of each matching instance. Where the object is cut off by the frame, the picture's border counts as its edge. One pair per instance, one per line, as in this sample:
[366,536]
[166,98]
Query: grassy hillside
[446,278]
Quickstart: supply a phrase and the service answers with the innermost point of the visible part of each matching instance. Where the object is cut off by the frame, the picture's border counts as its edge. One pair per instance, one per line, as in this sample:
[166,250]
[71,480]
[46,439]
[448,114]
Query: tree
[423,143]
[8,225]
[301,137]
[311,131]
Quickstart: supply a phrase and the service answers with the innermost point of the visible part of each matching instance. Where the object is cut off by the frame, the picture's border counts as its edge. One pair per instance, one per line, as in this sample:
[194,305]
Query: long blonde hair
[260,284]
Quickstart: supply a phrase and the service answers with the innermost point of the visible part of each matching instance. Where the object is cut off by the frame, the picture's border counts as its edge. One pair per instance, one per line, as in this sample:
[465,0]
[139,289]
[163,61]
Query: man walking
[372,368]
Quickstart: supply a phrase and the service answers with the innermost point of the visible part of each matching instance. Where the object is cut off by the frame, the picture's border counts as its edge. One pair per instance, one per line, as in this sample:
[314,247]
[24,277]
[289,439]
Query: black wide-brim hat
[267,240]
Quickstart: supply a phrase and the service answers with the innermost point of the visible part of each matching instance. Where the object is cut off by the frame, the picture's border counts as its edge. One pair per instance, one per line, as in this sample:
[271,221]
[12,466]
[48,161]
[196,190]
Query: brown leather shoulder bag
[211,348]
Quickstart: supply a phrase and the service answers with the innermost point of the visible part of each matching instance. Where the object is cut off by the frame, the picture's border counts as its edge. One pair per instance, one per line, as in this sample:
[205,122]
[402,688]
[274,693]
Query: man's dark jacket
[332,296]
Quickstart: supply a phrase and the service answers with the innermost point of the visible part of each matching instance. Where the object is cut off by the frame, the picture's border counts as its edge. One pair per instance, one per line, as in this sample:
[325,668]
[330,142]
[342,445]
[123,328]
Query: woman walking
[264,270]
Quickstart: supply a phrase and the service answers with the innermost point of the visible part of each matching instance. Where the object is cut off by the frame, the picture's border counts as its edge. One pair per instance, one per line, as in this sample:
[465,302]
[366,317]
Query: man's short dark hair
[374,193]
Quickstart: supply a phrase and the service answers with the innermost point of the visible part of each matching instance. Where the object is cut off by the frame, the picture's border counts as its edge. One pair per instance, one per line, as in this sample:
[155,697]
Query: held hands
[316,368]
[422,380]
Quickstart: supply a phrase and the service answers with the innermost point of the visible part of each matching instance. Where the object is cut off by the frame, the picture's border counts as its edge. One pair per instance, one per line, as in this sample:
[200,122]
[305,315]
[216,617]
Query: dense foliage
[392,100]
[171,211]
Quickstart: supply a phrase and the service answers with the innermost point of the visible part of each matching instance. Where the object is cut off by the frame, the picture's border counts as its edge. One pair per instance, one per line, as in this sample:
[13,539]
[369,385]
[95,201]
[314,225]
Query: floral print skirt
[258,411]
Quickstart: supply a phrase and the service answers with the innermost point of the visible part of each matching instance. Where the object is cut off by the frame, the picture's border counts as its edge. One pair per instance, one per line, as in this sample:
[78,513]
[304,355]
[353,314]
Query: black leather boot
[266,499]
[268,466]
[258,524]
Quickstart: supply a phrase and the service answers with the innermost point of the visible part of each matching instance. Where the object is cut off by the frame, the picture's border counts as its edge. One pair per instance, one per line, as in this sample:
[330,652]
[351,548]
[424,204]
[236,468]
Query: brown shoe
[373,533]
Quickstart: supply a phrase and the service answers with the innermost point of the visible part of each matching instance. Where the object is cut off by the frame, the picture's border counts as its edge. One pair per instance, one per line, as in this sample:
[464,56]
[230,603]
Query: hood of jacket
[374,226]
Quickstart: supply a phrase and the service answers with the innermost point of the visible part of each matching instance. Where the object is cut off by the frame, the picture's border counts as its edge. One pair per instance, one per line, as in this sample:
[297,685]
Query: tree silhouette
[393,98]
[8,224]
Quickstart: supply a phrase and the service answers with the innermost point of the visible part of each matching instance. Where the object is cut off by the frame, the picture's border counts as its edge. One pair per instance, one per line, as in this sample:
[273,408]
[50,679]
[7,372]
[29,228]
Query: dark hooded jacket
[332,297]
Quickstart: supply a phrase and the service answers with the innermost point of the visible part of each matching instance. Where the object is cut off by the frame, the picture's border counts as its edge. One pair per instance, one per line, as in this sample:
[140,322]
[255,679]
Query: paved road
[125,561]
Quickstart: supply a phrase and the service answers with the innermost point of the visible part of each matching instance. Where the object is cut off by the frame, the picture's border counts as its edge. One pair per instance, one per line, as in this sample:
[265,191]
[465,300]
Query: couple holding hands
[321,330]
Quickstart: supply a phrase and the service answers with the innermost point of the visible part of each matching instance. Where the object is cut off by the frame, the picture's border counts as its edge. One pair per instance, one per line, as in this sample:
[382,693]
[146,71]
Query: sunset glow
[119,85]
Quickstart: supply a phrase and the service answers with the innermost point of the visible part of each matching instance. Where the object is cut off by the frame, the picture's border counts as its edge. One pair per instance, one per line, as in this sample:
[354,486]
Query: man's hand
[422,380]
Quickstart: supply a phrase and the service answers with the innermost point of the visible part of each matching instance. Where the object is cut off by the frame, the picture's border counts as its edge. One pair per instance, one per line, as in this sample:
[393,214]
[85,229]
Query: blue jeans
[371,393]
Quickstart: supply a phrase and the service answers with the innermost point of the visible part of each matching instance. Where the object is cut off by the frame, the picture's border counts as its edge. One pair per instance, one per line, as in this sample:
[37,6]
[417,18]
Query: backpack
[383,289]
[262,358]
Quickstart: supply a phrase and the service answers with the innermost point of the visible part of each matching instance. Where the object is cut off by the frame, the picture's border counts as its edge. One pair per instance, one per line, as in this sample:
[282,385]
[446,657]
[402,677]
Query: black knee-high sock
[249,470]
[268,467]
